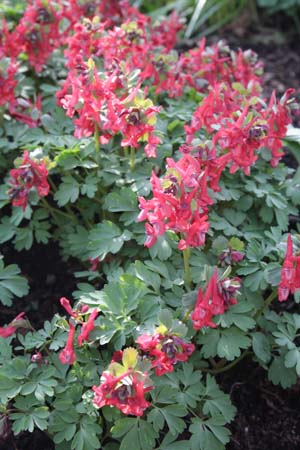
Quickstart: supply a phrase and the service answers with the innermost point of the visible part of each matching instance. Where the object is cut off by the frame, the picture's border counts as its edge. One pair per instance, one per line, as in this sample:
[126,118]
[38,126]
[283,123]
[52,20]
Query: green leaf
[172,414]
[218,402]
[209,342]
[165,318]
[147,276]
[234,217]
[68,191]
[140,435]
[238,315]
[261,347]
[280,374]
[118,298]
[37,416]
[123,201]
[272,274]
[9,388]
[219,244]
[162,248]
[90,186]
[292,358]
[231,342]
[86,437]
[236,244]
[106,238]
[7,231]
[23,238]
[208,435]
[11,283]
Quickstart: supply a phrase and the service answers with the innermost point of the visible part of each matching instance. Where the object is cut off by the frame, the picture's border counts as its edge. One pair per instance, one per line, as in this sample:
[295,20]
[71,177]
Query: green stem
[132,156]
[187,270]
[52,184]
[267,303]
[97,144]
[1,116]
[126,152]
[52,211]
[187,315]
[229,366]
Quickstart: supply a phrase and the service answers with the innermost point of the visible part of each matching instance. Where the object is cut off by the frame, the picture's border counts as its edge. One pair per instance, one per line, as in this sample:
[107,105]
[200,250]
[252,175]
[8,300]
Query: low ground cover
[157,175]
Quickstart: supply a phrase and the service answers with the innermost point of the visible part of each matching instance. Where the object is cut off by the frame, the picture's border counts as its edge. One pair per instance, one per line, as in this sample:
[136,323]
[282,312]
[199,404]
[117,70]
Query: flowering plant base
[159,173]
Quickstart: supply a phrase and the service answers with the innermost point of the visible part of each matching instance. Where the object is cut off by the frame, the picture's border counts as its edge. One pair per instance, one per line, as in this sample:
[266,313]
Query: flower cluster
[30,175]
[218,296]
[164,349]
[179,203]
[290,273]
[124,385]
[109,100]
[240,125]
[67,355]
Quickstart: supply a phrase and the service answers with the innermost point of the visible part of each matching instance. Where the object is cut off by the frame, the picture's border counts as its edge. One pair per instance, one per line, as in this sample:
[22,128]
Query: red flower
[216,300]
[27,176]
[124,386]
[10,329]
[165,350]
[180,202]
[125,392]
[67,355]
[8,83]
[290,273]
[87,327]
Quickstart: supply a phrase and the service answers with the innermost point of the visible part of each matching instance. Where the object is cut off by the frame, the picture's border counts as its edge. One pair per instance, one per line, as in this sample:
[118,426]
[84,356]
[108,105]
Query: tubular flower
[290,273]
[10,329]
[29,175]
[165,350]
[37,33]
[219,295]
[87,327]
[67,355]
[124,385]
[78,313]
[180,203]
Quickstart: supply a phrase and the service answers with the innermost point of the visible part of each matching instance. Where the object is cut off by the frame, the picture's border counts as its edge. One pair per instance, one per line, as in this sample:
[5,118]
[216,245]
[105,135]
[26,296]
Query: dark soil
[268,417]
[49,279]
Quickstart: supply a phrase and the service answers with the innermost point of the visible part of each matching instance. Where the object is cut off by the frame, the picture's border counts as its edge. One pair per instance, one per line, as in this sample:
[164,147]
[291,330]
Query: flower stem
[54,211]
[97,145]
[268,301]
[187,270]
[229,366]
[132,156]
[187,315]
